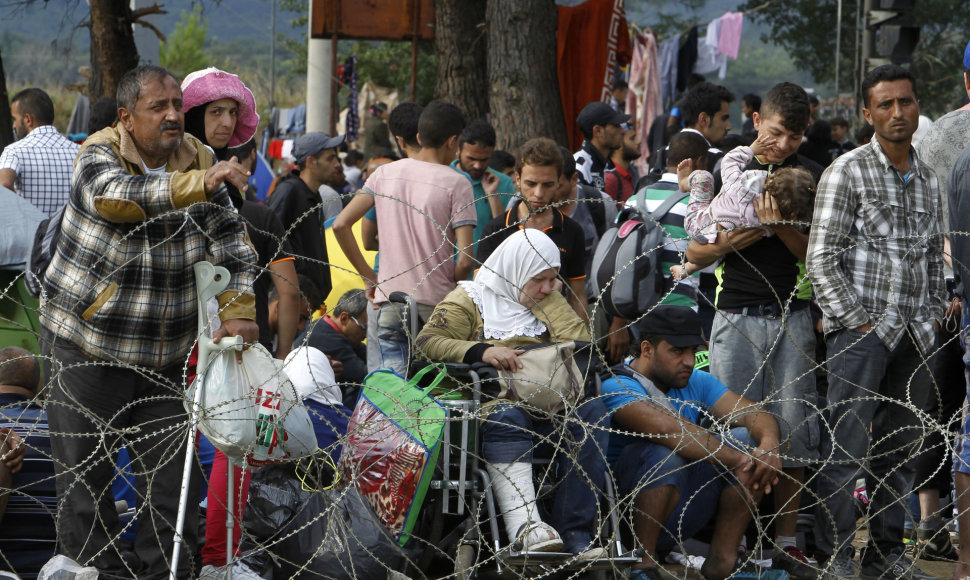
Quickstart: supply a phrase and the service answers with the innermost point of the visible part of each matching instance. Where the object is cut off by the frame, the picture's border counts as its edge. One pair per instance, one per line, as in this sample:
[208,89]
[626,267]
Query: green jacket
[456,326]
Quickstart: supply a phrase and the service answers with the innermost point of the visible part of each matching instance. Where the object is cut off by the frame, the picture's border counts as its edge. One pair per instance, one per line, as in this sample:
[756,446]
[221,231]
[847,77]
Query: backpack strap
[595,206]
[619,370]
[667,205]
[661,211]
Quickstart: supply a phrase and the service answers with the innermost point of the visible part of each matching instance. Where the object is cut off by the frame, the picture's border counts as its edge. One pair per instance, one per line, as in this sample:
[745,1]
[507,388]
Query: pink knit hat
[212,84]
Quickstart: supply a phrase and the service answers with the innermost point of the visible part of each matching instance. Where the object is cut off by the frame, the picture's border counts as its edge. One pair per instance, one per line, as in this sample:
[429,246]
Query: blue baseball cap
[966,57]
[313,143]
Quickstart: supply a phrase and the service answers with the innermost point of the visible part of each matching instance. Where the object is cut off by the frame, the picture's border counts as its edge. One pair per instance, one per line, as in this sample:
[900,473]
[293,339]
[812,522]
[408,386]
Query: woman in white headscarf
[514,301]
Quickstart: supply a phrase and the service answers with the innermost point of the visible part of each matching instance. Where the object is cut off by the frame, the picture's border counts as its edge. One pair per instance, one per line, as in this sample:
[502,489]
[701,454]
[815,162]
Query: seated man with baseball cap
[672,469]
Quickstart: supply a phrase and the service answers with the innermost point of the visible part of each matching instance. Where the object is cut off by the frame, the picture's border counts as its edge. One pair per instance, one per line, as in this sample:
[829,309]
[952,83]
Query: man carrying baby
[762,342]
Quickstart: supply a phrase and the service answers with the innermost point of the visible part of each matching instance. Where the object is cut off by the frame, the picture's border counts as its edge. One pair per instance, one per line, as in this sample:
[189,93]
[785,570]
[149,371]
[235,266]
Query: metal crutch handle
[210,281]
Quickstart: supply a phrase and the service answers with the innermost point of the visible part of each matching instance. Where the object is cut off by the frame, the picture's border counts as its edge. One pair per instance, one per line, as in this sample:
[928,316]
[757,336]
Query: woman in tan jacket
[514,301]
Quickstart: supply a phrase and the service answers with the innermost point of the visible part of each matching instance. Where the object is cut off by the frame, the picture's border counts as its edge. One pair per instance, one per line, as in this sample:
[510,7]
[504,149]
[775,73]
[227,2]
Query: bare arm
[490,186]
[342,230]
[704,255]
[618,340]
[7,178]
[368,234]
[667,428]
[464,240]
[288,289]
[763,427]
[576,296]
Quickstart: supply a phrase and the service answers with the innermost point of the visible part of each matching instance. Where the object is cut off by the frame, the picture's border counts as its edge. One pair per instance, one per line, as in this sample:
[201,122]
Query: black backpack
[42,252]
[626,267]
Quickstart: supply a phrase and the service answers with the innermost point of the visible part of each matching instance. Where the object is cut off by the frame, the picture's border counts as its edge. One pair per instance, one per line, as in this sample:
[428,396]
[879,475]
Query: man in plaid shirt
[875,258]
[39,165]
[119,320]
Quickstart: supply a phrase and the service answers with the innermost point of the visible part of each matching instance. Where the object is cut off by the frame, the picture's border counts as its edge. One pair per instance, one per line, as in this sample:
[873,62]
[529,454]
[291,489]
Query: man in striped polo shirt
[684,145]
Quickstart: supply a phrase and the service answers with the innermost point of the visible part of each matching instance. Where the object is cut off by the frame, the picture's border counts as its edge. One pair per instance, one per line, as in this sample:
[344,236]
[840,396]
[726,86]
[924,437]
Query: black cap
[313,143]
[678,325]
[599,113]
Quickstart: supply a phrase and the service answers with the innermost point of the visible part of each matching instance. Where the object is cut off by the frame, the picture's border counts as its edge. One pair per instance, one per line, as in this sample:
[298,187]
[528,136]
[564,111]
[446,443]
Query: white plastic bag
[283,427]
[250,410]
[63,568]
[226,414]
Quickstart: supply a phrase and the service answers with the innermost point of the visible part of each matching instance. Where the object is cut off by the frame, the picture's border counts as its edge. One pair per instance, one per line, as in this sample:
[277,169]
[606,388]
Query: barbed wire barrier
[307,519]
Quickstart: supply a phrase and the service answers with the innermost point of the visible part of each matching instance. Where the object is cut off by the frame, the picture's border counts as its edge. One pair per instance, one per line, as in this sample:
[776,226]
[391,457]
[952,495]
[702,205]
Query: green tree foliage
[806,30]
[666,18]
[182,51]
[386,64]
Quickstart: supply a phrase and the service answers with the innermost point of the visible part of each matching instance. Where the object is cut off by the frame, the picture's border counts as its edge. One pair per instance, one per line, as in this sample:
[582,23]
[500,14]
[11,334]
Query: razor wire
[457,534]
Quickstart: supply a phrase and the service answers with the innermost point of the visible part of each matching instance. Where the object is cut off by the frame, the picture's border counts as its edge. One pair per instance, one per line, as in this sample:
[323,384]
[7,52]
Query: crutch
[209,282]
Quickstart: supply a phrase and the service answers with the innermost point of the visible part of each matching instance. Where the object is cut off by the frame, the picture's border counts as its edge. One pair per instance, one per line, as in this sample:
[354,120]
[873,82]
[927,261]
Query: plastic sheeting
[313,534]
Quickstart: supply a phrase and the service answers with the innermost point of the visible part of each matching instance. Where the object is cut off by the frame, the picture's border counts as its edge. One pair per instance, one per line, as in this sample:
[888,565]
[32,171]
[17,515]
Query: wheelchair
[459,523]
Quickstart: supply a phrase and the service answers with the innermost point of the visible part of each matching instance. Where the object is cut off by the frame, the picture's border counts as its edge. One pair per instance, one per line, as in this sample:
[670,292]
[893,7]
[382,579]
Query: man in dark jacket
[296,200]
[339,335]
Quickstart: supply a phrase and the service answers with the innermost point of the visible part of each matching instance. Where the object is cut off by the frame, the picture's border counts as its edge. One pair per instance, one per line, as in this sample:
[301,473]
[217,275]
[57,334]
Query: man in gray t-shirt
[946,139]
[958,186]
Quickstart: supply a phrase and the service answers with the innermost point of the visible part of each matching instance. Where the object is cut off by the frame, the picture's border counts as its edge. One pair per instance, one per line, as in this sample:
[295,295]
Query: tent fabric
[593,40]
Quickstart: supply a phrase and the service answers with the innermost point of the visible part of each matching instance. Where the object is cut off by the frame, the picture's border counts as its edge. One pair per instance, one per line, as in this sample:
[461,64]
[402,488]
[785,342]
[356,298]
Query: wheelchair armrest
[398,296]
[483,370]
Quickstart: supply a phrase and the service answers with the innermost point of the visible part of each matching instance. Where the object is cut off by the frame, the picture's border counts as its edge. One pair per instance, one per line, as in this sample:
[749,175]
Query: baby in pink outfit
[734,205]
[792,188]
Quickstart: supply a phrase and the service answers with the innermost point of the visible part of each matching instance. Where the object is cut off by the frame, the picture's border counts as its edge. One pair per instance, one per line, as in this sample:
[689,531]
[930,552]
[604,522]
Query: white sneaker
[538,537]
[593,553]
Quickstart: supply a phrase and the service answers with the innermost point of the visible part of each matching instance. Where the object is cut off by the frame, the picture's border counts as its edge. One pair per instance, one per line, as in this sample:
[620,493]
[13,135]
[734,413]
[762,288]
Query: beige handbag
[548,381]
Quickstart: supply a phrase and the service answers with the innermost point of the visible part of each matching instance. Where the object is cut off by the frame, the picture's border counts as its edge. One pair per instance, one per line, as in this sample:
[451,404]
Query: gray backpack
[626,265]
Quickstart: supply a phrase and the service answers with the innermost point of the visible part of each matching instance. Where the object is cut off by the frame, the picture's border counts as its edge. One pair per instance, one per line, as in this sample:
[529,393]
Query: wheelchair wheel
[465,562]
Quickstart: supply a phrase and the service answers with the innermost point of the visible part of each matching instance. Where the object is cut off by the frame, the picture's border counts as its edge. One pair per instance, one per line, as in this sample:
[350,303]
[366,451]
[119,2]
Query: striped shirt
[875,252]
[43,162]
[28,535]
[675,240]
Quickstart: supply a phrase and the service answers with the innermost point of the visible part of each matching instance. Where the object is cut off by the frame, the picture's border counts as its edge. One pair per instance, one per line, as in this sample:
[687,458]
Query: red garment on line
[592,40]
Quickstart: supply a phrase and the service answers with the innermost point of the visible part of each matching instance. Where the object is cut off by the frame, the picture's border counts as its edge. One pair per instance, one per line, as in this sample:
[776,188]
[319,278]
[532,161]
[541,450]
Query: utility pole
[868,48]
[319,76]
[272,56]
[838,51]
[856,67]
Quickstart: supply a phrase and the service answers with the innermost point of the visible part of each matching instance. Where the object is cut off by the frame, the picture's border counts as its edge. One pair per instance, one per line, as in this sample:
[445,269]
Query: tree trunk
[460,43]
[113,51]
[523,82]
[6,123]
